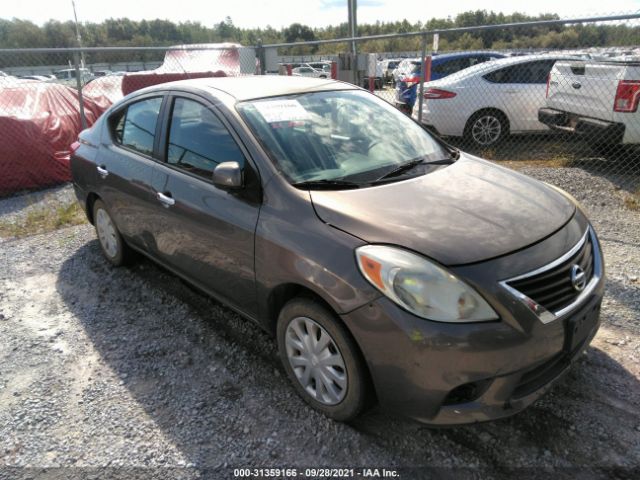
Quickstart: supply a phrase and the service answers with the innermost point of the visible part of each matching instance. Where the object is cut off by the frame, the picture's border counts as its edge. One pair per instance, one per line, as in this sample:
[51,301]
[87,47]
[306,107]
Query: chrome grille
[553,289]
[550,291]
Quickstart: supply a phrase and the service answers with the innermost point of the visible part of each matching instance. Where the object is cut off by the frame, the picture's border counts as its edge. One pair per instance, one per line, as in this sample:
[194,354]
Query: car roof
[475,53]
[490,66]
[259,86]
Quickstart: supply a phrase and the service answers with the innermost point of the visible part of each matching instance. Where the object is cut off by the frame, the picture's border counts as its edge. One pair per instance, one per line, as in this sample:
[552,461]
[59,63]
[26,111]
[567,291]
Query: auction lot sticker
[274,111]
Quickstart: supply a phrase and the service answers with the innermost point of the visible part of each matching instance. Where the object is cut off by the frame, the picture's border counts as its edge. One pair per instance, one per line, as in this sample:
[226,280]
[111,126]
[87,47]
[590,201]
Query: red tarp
[180,63]
[214,60]
[38,123]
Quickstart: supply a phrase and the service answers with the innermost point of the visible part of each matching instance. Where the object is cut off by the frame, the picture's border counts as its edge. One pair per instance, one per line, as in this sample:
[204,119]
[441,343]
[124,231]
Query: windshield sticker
[282,111]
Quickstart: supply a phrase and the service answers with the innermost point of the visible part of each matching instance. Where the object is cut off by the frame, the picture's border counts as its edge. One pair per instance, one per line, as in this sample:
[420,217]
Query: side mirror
[228,175]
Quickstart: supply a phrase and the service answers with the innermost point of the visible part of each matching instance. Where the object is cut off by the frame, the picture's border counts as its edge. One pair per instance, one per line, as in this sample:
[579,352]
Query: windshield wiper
[405,167]
[326,184]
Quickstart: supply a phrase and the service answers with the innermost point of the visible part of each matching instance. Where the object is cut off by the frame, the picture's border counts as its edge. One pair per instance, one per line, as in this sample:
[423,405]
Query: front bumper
[592,129]
[447,374]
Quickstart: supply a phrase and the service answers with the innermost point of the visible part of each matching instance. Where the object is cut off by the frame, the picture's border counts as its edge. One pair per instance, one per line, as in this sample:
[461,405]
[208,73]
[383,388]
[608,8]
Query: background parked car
[441,66]
[101,73]
[68,76]
[309,72]
[488,101]
[597,100]
[324,66]
[405,66]
[40,78]
[388,66]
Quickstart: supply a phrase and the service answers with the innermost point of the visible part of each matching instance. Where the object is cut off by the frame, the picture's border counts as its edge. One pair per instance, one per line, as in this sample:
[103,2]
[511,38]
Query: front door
[206,233]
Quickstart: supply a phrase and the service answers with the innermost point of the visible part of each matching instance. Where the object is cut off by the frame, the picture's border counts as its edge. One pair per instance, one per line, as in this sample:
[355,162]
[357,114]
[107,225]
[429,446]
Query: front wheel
[322,360]
[486,128]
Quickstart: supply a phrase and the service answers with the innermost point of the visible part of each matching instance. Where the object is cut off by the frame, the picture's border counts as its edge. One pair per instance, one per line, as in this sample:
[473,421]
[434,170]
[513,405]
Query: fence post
[262,59]
[423,70]
[76,61]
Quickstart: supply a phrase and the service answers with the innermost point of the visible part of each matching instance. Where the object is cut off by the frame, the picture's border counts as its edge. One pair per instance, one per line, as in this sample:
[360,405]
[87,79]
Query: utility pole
[353,28]
[78,37]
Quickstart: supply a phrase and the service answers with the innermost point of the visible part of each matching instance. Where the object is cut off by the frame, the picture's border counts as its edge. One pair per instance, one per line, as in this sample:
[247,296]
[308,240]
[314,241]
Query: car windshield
[347,135]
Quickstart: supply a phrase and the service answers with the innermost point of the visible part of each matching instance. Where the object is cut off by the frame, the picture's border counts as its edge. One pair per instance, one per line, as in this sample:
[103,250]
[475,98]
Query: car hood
[467,212]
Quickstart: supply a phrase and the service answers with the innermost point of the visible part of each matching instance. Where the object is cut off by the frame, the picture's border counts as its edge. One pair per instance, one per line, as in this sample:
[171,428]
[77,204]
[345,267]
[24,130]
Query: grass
[558,162]
[42,220]
[632,201]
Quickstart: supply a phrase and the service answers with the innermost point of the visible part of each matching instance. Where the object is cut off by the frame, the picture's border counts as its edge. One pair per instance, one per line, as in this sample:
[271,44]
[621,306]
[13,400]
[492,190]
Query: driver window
[198,141]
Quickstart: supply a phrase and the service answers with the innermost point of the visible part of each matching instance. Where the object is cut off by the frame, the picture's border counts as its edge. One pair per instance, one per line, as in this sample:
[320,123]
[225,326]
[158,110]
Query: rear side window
[135,127]
[529,72]
[451,66]
[198,140]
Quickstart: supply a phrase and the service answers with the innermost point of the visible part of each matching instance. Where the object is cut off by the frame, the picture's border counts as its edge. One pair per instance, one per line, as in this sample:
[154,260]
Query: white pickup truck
[597,100]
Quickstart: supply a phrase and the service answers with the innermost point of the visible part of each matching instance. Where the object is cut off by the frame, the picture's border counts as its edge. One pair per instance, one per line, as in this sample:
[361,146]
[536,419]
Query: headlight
[421,287]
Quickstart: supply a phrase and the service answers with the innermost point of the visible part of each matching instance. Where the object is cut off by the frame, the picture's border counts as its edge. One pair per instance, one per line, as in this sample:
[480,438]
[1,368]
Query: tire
[346,399]
[486,128]
[112,245]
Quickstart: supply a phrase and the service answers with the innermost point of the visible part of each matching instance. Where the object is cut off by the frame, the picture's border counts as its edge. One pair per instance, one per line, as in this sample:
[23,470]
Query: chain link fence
[47,96]
[575,106]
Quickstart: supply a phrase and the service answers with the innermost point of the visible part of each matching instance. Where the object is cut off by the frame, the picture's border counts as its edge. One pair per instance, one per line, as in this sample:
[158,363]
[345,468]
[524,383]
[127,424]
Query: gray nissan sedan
[390,267]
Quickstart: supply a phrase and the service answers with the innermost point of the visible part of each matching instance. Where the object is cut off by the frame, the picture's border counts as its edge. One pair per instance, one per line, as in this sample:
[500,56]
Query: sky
[278,13]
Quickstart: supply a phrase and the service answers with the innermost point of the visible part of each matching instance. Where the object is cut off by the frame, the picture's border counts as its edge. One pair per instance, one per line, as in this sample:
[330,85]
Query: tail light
[546,95]
[627,96]
[438,94]
[410,81]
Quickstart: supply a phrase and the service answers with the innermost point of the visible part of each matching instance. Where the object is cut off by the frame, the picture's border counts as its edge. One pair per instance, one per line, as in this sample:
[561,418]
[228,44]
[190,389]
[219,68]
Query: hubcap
[486,130]
[106,233]
[316,361]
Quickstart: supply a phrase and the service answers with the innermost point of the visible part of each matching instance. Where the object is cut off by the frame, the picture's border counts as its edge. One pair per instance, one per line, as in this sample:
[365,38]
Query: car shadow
[213,383]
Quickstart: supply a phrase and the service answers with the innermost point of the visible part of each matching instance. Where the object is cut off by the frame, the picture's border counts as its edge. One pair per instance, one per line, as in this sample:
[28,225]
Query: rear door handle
[166,200]
[102,171]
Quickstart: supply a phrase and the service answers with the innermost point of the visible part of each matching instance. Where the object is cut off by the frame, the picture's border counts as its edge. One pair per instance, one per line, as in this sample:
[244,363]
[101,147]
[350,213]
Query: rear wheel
[322,360]
[113,246]
[486,128]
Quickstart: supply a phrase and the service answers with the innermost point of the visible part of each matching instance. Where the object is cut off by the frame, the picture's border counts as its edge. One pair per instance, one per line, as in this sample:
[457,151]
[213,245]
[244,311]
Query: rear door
[521,90]
[125,165]
[203,232]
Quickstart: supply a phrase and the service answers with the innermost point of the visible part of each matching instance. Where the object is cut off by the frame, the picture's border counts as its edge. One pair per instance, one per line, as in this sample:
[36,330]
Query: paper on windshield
[282,111]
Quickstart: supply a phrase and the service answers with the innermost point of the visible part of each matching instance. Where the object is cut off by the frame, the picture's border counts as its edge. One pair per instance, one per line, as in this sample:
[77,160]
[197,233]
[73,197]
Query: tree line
[16,33]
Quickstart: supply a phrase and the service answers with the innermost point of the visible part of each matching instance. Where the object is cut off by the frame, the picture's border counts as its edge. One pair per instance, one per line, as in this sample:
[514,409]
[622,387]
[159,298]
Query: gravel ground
[17,207]
[129,373]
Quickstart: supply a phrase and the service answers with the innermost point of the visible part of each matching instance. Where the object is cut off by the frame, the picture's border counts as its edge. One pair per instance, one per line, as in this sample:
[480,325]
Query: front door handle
[166,200]
[102,171]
